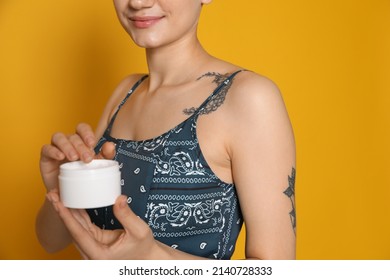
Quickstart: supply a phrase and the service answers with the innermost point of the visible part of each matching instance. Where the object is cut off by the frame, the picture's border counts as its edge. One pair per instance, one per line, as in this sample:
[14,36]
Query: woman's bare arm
[262,152]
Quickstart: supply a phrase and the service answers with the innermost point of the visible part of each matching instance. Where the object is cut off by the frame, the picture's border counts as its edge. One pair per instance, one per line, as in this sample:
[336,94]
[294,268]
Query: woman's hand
[135,241]
[63,148]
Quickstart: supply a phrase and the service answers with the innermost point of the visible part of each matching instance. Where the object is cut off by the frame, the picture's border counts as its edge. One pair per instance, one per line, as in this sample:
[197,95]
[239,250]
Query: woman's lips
[145,21]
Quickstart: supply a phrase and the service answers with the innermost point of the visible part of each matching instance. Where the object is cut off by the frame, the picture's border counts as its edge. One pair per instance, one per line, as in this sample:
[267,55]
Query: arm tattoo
[290,192]
[216,100]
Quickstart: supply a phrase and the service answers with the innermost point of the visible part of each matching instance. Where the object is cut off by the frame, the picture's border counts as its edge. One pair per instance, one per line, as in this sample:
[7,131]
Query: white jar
[89,185]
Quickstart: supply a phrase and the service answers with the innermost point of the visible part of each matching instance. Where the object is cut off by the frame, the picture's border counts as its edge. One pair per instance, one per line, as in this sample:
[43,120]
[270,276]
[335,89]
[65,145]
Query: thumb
[107,151]
[130,221]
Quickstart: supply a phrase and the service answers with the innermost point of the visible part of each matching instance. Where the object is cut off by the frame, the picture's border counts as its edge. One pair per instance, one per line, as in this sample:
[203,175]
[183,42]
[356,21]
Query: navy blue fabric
[172,188]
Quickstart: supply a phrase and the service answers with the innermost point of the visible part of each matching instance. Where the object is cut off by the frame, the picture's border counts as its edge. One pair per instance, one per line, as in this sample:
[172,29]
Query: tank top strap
[133,88]
[225,83]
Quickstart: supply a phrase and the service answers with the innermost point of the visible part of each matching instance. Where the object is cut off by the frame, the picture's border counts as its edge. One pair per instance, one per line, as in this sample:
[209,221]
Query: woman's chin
[147,43]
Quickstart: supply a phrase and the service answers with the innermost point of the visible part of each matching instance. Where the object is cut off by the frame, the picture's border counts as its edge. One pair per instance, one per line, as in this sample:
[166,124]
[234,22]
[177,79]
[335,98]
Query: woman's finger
[62,143]
[107,151]
[78,214]
[131,223]
[87,135]
[84,152]
[50,152]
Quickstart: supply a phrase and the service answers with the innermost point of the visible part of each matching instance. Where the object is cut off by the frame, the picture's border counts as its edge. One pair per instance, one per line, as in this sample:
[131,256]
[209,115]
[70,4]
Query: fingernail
[123,202]
[60,155]
[87,157]
[72,156]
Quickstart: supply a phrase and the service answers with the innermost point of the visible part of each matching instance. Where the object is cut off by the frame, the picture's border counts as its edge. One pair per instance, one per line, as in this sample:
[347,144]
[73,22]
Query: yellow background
[60,61]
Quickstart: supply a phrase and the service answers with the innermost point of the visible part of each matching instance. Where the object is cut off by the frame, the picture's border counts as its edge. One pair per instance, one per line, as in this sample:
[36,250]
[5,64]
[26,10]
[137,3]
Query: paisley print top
[170,185]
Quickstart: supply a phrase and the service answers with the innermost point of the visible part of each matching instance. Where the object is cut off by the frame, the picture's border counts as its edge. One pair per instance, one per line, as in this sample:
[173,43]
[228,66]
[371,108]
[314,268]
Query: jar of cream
[89,185]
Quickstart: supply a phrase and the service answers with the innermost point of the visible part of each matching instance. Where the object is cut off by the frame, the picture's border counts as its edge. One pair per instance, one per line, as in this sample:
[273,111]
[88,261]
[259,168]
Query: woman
[203,146]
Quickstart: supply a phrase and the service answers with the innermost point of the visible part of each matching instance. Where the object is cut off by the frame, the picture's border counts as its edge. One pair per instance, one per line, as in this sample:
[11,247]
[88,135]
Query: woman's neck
[176,63]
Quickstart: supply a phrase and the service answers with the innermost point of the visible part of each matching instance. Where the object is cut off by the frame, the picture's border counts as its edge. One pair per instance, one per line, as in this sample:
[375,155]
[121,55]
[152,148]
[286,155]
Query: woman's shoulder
[122,89]
[255,109]
[256,115]
[119,93]
[255,83]
[251,91]
[126,84]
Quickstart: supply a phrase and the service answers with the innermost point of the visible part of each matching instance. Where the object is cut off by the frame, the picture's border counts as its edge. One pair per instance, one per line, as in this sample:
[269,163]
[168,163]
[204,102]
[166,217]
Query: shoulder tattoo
[217,99]
[290,193]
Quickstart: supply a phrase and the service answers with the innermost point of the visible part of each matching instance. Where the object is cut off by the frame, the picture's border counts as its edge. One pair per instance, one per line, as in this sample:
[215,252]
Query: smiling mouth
[145,21]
